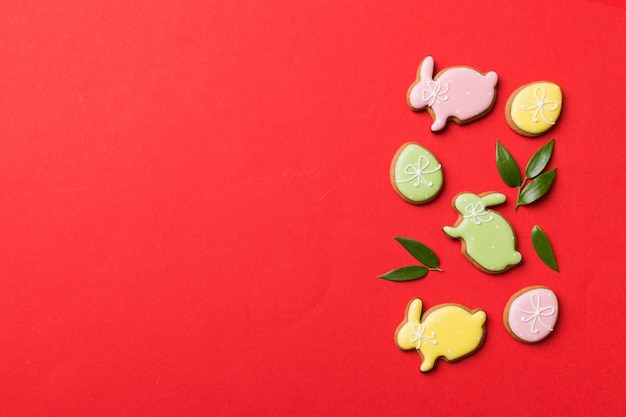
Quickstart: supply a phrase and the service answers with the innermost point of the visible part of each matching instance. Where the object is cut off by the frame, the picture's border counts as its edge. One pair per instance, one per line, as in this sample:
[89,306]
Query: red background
[195,206]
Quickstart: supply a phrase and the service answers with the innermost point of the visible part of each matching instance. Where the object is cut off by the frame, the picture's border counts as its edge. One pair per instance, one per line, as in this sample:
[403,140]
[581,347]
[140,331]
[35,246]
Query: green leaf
[537,188]
[507,167]
[407,273]
[539,160]
[543,248]
[419,251]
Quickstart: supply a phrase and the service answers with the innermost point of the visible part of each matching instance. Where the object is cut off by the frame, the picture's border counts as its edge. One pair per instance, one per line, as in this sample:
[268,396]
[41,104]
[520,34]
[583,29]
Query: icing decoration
[433,93]
[459,93]
[416,174]
[417,335]
[534,108]
[477,213]
[488,240]
[448,331]
[531,314]
[539,104]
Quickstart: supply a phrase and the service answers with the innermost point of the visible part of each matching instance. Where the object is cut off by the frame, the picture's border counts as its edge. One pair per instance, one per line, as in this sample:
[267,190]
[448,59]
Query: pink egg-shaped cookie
[531,314]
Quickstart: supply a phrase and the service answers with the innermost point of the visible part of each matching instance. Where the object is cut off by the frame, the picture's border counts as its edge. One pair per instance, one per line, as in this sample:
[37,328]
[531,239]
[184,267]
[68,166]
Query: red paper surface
[195,206]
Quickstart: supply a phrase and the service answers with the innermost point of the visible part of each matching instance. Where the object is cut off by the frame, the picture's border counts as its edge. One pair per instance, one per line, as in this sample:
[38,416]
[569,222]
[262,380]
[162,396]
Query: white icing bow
[433,92]
[537,313]
[418,335]
[417,171]
[540,104]
[477,213]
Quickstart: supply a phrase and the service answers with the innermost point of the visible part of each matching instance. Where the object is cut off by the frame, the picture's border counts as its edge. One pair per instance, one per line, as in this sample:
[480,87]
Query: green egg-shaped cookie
[416,174]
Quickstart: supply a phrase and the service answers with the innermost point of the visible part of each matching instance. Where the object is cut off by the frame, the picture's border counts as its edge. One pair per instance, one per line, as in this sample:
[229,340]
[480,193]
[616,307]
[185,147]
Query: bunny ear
[426,68]
[493,199]
[414,313]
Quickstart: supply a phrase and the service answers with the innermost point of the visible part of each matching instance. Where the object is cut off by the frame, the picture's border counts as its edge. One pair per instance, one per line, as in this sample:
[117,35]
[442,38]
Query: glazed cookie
[531,314]
[416,174]
[534,108]
[448,331]
[488,240]
[461,94]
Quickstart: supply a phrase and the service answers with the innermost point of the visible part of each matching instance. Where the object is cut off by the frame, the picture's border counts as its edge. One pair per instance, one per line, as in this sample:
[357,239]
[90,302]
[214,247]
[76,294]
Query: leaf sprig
[540,181]
[420,252]
[543,248]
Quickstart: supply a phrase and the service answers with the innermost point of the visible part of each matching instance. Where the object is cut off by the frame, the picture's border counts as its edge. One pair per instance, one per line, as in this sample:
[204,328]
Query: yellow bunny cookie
[448,331]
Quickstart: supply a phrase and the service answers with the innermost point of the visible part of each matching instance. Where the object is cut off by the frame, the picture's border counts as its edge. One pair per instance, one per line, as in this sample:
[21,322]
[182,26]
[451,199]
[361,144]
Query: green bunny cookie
[488,238]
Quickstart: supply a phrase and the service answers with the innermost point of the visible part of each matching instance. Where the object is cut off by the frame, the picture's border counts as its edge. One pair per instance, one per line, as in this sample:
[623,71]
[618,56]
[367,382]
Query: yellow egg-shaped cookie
[534,108]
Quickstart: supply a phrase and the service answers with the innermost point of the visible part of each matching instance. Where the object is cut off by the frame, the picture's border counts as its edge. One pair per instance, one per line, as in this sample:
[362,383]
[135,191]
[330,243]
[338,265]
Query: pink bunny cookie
[459,93]
[488,238]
